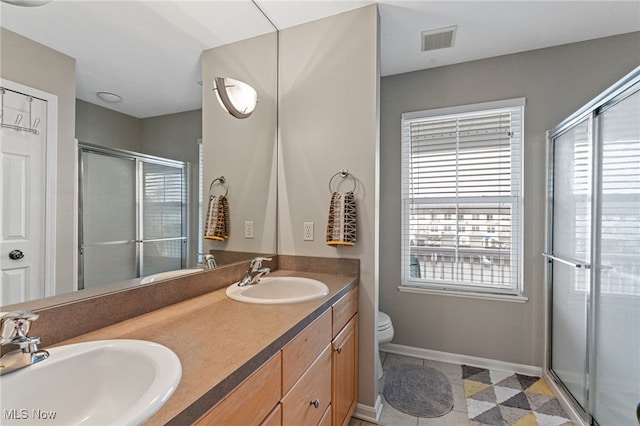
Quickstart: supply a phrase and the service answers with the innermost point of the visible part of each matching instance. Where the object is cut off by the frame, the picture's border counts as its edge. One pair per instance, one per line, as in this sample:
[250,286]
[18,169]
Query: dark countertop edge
[222,389]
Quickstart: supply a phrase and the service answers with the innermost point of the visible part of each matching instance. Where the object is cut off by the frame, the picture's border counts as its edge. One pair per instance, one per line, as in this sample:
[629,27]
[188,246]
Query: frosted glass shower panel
[108,198]
[109,263]
[572,193]
[617,334]
[571,243]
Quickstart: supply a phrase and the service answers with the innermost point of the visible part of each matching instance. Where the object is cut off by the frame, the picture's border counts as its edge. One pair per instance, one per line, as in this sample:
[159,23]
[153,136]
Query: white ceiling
[148,52]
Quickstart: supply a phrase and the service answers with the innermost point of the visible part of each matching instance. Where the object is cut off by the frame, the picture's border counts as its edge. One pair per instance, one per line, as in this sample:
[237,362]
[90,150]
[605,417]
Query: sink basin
[107,382]
[273,290]
[169,274]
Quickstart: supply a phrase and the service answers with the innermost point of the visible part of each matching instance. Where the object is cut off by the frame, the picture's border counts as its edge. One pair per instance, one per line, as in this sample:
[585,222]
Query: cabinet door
[250,402]
[344,373]
[308,399]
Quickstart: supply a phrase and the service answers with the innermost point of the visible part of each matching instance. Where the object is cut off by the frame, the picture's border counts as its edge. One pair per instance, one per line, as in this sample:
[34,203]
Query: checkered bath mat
[501,398]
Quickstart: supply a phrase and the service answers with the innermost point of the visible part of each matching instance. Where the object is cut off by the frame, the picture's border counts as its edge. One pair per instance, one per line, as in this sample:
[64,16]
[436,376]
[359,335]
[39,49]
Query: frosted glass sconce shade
[236,97]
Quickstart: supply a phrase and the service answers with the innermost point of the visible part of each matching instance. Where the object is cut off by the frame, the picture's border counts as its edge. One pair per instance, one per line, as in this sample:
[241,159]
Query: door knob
[16,255]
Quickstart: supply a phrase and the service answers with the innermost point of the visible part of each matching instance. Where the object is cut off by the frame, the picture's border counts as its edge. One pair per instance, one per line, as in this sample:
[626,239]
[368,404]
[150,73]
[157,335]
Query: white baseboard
[491,364]
[368,413]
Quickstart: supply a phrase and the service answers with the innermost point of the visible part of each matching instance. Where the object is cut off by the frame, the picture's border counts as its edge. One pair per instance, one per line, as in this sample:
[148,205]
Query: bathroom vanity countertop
[219,341]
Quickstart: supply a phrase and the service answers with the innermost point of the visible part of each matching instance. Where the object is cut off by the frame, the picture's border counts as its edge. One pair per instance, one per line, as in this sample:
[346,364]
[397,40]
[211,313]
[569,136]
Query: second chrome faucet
[15,328]
[255,272]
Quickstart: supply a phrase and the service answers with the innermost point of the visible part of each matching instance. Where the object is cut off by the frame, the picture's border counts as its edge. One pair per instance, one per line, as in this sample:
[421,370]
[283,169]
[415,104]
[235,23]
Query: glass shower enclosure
[593,255]
[132,215]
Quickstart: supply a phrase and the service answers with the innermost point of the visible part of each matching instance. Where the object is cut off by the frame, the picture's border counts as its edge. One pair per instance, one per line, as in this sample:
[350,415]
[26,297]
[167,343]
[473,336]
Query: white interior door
[22,198]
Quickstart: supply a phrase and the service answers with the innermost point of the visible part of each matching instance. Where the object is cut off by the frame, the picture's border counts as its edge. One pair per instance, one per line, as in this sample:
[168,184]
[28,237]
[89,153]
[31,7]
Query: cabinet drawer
[315,385]
[343,310]
[252,400]
[298,354]
[274,418]
[326,418]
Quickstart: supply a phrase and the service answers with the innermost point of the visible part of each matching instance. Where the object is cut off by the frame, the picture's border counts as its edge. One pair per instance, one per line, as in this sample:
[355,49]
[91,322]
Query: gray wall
[243,151]
[101,126]
[35,65]
[328,121]
[555,81]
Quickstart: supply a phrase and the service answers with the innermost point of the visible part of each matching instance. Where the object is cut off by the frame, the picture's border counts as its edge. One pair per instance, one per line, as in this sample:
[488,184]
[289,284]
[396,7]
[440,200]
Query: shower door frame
[138,158]
[590,112]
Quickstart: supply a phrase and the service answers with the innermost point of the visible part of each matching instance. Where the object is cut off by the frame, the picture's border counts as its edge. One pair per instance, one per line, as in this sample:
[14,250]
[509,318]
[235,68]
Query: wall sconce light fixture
[236,97]
[27,3]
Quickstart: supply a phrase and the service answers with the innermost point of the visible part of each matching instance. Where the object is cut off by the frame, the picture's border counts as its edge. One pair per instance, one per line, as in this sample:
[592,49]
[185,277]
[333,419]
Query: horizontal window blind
[461,193]
[163,197]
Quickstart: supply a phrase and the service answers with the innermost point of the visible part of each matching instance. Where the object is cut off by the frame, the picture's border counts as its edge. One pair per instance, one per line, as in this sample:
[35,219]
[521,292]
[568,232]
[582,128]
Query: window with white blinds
[462,198]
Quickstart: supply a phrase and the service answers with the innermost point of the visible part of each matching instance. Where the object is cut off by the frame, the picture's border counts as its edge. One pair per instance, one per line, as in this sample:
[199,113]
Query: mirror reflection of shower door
[132,216]
[107,219]
[571,250]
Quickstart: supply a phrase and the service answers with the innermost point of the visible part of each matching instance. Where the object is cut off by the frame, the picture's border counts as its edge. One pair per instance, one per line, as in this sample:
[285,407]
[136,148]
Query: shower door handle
[567,262]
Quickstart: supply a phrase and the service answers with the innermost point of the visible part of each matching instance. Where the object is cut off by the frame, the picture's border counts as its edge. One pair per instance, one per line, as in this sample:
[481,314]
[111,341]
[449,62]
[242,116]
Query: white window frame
[408,283]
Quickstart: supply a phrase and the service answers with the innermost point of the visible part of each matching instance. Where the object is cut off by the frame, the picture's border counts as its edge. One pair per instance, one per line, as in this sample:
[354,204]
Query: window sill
[465,294]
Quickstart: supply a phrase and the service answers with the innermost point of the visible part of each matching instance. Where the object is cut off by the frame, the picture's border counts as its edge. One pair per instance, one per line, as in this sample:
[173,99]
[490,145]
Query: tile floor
[458,416]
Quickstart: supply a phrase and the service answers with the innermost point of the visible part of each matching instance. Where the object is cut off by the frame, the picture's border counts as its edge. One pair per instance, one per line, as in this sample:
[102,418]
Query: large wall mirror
[160,59]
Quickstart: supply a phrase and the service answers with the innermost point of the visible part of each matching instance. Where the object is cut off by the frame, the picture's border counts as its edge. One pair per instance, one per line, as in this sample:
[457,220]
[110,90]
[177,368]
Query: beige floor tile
[453,418]
[452,371]
[392,417]
[393,359]
[459,401]
[381,382]
[355,422]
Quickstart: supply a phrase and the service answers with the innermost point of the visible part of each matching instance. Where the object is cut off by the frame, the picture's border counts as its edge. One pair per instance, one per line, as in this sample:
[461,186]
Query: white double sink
[119,382]
[107,382]
[279,290]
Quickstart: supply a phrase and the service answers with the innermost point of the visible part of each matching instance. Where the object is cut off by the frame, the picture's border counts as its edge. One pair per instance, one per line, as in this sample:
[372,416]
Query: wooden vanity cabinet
[251,401]
[274,418]
[309,398]
[312,381]
[344,362]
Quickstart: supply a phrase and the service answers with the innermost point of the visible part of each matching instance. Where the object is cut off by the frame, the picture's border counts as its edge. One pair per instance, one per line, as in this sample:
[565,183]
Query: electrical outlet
[248,229]
[307,234]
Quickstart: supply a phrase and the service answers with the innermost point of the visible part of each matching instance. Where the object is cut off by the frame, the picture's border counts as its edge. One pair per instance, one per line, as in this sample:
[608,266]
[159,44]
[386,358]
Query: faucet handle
[256,262]
[15,325]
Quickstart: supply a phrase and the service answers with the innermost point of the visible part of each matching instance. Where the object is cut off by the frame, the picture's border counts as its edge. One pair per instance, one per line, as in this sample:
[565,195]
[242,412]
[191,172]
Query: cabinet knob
[339,350]
[315,403]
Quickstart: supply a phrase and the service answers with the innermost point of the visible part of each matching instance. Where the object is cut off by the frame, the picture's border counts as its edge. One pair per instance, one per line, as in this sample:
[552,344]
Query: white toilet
[385,335]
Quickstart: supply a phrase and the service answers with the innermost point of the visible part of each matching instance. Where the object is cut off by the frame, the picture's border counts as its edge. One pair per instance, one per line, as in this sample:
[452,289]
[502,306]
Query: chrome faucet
[208,261]
[255,272]
[15,327]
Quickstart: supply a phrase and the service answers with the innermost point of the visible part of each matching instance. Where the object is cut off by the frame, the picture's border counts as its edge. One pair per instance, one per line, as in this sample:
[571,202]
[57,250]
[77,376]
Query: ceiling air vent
[438,39]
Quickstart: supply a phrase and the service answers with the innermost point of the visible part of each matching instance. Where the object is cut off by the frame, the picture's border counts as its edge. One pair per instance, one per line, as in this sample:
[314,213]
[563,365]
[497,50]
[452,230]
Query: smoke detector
[440,38]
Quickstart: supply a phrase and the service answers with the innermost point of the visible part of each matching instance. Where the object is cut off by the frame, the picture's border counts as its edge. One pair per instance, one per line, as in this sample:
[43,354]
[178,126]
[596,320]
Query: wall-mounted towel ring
[221,181]
[344,173]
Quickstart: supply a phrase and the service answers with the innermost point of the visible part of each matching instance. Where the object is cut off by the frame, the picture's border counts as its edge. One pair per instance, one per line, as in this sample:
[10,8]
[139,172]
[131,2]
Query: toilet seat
[384,321]
[385,335]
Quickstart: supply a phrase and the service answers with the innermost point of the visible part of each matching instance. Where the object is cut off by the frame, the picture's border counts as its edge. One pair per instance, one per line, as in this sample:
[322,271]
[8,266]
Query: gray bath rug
[418,391]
